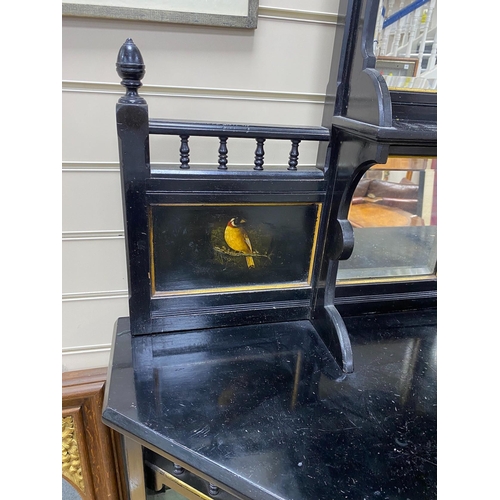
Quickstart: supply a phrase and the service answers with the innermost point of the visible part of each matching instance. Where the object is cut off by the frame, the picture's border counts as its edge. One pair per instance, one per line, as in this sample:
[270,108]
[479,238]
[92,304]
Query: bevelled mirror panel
[393,213]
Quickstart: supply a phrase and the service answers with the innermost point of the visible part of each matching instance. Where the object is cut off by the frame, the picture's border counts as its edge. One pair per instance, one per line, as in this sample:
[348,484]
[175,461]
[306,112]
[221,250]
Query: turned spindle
[184,151]
[294,155]
[259,154]
[222,153]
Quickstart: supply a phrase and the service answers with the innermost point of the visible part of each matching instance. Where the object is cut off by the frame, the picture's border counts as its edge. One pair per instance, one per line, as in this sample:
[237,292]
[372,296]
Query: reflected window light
[405,44]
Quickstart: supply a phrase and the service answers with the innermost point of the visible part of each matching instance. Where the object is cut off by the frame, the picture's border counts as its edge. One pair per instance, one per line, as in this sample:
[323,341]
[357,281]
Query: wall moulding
[103,295]
[305,16]
[107,234]
[158,167]
[195,92]
[90,166]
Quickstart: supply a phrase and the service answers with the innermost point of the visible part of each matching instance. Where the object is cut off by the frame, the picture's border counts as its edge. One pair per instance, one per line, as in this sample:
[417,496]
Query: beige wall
[276,74]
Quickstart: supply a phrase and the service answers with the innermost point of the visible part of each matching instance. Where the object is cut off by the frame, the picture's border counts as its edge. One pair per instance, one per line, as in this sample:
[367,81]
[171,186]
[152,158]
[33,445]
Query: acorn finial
[130,67]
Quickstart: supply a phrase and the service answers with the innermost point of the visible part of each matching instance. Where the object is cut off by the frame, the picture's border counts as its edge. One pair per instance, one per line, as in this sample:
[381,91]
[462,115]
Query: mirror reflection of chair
[381,203]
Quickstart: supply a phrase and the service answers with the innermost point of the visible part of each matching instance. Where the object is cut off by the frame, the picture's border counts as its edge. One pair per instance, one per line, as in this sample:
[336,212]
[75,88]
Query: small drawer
[161,472]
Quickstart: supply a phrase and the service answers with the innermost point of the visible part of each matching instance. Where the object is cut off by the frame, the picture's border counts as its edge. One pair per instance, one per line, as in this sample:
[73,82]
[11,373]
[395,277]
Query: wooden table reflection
[375,215]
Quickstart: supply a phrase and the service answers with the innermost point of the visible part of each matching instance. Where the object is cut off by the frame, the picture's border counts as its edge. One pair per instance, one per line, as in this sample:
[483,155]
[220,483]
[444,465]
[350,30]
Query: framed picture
[397,66]
[224,13]
[217,248]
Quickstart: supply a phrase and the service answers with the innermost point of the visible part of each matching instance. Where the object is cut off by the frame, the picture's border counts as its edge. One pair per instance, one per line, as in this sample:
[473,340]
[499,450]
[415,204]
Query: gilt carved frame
[91,452]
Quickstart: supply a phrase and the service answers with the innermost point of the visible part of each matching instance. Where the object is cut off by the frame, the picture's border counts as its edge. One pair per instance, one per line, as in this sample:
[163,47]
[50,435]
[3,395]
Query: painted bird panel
[200,247]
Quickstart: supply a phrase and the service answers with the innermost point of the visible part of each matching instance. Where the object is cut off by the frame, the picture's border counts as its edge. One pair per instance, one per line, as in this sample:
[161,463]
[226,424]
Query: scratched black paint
[266,409]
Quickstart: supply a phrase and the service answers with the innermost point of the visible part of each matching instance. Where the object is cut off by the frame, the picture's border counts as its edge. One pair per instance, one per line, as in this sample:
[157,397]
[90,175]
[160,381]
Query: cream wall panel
[236,111]
[89,127]
[91,199]
[98,143]
[91,322]
[83,358]
[93,265]
[279,55]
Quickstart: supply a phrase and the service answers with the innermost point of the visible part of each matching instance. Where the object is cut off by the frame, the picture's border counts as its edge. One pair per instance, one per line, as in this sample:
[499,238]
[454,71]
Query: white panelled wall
[276,74]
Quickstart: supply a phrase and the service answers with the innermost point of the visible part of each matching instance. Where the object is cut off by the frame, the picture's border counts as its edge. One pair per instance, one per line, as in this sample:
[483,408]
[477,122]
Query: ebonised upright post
[133,135]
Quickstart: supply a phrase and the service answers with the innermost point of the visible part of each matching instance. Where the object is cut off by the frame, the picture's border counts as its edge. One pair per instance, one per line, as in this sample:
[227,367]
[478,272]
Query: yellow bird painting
[237,239]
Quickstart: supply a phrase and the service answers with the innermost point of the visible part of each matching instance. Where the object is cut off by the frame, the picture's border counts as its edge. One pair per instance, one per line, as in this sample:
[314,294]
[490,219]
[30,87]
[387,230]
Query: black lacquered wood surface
[266,411]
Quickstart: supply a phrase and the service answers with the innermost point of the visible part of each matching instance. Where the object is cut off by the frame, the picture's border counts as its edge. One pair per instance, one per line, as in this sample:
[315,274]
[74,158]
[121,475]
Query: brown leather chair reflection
[378,203]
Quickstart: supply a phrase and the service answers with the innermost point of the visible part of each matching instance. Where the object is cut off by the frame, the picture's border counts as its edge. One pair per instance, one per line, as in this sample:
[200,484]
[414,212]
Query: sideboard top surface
[267,411]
